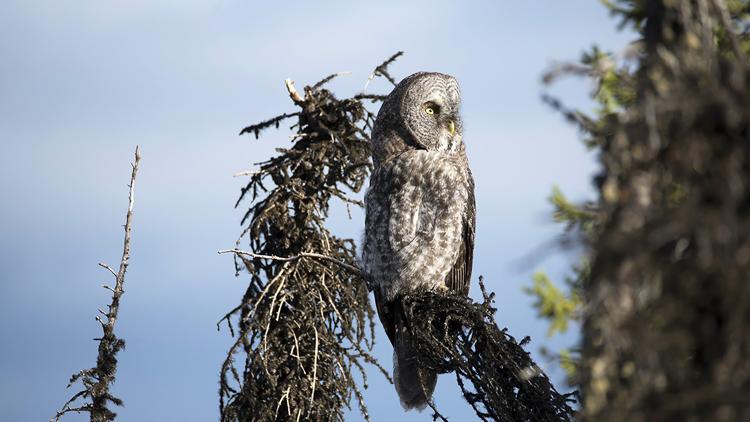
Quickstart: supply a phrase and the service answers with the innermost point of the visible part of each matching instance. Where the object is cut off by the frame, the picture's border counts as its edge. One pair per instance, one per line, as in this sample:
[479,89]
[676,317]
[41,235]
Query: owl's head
[424,110]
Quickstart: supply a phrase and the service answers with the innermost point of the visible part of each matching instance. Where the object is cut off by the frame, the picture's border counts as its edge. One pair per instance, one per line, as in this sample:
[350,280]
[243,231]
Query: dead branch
[305,326]
[97,380]
[245,173]
[350,268]
[496,375]
[293,94]
[382,70]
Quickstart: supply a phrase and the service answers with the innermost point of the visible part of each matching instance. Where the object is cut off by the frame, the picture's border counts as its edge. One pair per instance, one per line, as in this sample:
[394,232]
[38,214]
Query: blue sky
[83,82]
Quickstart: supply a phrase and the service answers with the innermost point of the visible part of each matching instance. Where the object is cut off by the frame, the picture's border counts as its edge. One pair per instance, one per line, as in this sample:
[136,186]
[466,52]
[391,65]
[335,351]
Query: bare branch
[103,265]
[245,173]
[293,94]
[97,380]
[382,70]
[315,368]
[327,79]
[350,268]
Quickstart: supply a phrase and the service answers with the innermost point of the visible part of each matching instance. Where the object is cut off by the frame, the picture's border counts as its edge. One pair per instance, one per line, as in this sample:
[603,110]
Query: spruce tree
[666,302]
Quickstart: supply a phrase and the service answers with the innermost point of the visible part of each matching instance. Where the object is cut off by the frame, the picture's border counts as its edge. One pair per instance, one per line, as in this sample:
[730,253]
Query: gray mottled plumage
[419,229]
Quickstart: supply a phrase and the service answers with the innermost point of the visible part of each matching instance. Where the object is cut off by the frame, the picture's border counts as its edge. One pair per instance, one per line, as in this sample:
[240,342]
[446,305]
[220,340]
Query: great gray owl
[419,228]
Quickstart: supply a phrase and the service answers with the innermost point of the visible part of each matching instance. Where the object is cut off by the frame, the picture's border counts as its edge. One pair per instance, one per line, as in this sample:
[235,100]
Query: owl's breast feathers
[420,223]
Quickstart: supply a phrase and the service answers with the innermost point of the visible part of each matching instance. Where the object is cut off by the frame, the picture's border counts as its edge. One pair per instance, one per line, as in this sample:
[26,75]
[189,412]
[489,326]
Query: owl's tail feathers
[413,383]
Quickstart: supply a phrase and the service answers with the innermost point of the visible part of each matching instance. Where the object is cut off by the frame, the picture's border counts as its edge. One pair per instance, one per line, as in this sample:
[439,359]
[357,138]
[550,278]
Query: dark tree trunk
[667,314]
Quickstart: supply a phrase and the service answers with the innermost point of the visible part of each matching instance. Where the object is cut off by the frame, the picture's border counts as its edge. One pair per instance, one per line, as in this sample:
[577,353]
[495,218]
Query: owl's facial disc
[428,106]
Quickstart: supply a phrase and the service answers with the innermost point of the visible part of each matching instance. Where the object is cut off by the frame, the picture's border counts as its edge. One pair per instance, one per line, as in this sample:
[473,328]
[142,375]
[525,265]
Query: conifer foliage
[665,296]
[305,327]
[667,304]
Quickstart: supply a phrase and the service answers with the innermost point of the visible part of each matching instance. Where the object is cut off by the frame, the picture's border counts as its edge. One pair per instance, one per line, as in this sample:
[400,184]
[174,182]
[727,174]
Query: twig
[350,268]
[245,173]
[256,128]
[103,265]
[293,94]
[328,79]
[315,367]
[726,21]
[382,70]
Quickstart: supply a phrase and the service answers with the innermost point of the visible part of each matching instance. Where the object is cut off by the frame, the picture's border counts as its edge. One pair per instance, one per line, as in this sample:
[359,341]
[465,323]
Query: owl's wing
[376,250]
[387,313]
[459,278]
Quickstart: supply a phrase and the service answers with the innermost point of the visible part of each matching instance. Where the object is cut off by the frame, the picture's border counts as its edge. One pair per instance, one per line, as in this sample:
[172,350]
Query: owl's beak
[452,127]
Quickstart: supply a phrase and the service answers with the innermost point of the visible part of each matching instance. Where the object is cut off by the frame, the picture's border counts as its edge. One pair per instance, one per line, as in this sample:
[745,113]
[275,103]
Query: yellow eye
[431,108]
